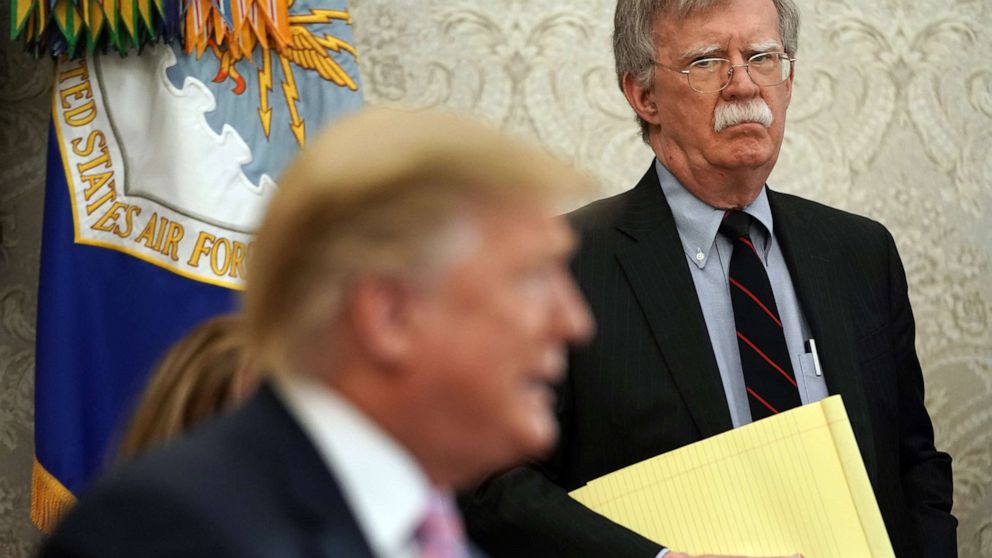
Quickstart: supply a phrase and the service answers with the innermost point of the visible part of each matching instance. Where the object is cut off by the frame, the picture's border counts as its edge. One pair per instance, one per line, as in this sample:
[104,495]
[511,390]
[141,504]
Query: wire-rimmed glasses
[709,75]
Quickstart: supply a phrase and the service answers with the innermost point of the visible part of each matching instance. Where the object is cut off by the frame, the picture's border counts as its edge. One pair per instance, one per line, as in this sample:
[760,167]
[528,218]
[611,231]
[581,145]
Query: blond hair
[373,196]
[196,379]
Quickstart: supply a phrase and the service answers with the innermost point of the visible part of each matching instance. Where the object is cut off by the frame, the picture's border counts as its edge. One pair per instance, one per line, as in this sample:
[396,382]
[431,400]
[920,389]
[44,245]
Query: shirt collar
[381,482]
[698,222]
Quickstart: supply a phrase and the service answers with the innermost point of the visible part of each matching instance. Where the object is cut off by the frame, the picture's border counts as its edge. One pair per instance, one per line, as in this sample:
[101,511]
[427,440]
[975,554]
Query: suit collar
[312,494]
[368,463]
[656,267]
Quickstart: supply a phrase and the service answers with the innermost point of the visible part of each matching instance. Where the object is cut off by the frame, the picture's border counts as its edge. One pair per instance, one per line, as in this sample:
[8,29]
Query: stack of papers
[791,483]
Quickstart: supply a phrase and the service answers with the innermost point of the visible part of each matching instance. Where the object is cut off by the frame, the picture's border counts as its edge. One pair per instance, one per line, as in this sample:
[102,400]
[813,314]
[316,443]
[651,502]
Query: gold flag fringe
[50,500]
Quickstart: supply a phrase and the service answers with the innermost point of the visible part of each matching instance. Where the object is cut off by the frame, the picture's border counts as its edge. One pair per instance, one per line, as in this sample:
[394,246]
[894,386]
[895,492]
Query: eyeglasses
[710,75]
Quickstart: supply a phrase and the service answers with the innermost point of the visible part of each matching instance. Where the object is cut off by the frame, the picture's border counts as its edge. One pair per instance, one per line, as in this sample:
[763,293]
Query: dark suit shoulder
[130,513]
[208,461]
[179,500]
[843,228]
[249,484]
[826,214]
[600,214]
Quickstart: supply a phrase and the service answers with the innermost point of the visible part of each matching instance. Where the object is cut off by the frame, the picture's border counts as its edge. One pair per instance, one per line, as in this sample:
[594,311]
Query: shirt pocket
[814,388]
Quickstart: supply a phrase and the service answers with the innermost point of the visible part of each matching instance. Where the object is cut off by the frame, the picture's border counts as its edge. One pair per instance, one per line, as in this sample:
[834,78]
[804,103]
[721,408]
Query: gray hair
[633,41]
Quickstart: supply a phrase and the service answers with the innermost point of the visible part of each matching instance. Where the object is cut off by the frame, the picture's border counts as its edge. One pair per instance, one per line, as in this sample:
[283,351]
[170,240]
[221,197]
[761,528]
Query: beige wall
[891,118]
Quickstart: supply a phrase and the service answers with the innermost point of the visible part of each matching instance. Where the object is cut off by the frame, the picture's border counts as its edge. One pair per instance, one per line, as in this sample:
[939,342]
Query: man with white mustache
[741,112]
[720,301]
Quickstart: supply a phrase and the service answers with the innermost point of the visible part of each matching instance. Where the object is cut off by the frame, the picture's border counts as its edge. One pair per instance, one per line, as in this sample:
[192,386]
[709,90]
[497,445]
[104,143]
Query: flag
[74,28]
[160,164]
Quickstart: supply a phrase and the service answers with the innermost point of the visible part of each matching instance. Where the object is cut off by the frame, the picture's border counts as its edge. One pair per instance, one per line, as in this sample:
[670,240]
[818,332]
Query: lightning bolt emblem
[292,95]
[264,87]
[304,49]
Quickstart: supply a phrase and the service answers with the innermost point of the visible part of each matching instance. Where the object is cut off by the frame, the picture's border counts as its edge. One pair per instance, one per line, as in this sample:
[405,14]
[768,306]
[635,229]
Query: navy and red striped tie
[768,375]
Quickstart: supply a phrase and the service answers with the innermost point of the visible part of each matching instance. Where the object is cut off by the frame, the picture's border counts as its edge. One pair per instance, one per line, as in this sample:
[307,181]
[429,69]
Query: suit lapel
[656,268]
[311,491]
[820,285]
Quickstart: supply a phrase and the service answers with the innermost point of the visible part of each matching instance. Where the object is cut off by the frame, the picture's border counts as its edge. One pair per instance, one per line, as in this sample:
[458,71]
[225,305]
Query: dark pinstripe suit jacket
[649,383]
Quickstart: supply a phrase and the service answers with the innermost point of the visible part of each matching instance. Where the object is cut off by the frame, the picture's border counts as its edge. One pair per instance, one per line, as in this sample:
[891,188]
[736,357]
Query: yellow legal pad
[790,483]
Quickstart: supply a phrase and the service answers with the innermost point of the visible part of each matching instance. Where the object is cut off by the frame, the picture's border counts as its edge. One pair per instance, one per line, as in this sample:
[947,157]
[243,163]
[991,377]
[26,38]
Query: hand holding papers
[790,483]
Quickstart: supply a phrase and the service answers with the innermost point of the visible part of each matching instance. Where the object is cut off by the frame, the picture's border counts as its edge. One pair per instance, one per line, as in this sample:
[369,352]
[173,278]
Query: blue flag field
[160,164]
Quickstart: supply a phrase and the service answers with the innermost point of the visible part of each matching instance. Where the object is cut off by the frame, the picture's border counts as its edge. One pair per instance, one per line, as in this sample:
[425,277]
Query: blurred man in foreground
[409,296]
[719,301]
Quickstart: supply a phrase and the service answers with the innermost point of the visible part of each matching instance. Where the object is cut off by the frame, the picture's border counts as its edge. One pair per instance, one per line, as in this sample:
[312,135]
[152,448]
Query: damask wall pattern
[891,117]
[24,103]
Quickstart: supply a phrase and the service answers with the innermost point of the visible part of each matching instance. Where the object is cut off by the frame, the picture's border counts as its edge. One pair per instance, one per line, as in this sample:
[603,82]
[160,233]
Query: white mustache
[731,114]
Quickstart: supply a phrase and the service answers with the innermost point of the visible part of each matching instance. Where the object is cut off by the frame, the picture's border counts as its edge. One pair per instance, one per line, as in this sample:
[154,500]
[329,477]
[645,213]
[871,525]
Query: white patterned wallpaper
[891,117]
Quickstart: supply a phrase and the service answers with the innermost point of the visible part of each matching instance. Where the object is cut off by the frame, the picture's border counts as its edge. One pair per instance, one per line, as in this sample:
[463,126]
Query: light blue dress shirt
[708,255]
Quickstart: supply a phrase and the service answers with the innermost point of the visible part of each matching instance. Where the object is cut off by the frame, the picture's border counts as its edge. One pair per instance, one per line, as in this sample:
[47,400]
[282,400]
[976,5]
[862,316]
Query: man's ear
[380,312]
[641,98]
[788,86]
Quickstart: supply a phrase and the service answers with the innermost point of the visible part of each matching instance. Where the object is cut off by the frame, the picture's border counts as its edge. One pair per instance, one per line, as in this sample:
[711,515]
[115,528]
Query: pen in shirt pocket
[811,349]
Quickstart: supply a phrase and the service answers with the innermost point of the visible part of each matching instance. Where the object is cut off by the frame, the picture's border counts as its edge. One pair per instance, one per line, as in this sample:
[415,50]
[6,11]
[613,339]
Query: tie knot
[736,224]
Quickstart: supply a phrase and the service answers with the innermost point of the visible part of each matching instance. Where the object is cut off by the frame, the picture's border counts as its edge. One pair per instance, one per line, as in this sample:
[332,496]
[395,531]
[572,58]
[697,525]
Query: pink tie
[440,534]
